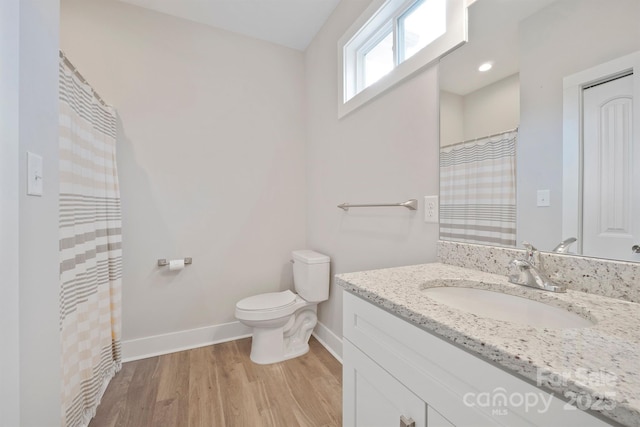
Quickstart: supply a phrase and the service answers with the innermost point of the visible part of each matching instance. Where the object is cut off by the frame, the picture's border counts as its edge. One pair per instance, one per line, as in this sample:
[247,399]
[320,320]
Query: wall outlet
[431,209]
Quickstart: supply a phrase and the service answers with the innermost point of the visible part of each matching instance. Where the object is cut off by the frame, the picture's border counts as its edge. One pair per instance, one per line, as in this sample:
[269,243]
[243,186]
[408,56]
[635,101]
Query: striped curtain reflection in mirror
[478,190]
[90,248]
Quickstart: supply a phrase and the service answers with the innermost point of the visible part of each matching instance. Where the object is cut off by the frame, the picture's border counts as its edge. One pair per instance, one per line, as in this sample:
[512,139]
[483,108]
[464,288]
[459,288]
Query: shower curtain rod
[481,137]
[81,77]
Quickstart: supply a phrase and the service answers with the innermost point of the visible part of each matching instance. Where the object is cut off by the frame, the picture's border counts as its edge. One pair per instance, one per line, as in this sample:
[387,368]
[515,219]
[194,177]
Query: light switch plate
[431,209]
[34,174]
[544,198]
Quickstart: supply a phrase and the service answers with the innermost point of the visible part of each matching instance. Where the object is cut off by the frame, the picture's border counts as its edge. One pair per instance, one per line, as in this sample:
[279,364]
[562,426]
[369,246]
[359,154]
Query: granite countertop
[601,361]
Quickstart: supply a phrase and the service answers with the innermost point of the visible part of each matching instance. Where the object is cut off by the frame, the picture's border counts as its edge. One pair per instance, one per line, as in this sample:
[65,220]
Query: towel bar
[411,204]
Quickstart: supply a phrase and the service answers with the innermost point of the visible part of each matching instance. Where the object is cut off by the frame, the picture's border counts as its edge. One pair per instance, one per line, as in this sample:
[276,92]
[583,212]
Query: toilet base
[277,344]
[263,359]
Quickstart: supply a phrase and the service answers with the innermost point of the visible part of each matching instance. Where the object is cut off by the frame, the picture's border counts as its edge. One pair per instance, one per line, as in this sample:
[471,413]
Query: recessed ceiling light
[485,67]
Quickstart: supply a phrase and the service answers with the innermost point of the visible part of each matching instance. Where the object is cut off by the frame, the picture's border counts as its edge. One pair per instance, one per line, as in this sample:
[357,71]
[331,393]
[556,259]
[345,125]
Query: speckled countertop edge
[581,357]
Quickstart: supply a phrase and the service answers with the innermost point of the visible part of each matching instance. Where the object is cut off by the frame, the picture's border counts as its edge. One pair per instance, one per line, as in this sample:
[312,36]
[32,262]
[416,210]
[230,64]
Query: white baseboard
[156,345]
[329,340]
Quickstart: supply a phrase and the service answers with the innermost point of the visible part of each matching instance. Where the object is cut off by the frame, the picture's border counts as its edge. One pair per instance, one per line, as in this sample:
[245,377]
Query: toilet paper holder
[163,262]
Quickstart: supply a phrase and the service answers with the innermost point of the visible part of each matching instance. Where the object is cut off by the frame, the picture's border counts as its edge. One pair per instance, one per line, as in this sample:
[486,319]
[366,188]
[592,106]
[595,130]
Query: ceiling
[290,23]
[493,30]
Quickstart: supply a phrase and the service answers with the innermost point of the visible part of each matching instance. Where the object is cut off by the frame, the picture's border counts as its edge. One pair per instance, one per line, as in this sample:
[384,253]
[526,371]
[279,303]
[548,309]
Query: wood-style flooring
[218,385]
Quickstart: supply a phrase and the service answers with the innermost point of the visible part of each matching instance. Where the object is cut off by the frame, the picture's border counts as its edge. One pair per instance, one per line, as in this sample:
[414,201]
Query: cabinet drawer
[449,379]
[372,397]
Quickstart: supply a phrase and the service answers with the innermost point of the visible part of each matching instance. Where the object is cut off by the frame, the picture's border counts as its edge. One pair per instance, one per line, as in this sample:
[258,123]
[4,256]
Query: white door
[611,178]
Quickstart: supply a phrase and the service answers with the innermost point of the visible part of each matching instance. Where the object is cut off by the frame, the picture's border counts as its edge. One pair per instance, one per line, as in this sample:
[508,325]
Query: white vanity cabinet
[394,373]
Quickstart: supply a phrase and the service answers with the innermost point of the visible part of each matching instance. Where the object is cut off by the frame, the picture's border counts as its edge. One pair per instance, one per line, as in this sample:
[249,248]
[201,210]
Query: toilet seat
[267,306]
[268,301]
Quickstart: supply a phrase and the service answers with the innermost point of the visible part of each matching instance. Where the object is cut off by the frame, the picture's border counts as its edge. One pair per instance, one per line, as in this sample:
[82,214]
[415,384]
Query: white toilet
[282,322]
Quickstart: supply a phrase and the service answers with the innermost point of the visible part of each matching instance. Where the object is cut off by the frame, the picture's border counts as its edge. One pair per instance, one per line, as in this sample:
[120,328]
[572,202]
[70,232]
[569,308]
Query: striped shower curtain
[90,248]
[478,190]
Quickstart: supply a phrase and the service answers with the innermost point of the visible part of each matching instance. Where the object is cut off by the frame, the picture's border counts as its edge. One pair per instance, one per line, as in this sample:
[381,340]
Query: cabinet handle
[407,422]
[635,249]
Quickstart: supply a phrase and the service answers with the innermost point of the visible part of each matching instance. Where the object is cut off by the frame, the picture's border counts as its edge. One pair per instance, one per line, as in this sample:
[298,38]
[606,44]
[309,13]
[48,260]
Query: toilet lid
[268,301]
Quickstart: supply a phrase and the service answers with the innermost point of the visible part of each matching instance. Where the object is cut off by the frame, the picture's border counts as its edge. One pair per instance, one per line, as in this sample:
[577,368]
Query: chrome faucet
[563,247]
[530,272]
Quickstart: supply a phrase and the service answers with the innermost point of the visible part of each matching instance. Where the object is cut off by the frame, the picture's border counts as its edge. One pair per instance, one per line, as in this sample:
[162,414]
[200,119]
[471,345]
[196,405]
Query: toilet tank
[311,275]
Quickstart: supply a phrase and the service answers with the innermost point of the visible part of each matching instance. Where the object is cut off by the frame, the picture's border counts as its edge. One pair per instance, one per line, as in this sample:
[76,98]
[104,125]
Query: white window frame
[399,50]
[367,31]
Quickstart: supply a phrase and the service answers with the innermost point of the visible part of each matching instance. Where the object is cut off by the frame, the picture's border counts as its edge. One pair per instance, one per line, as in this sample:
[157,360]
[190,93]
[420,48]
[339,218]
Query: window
[392,40]
[425,21]
[377,58]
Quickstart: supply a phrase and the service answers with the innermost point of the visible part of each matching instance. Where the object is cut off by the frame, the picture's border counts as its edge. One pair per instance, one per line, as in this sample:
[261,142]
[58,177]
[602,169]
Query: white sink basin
[509,308]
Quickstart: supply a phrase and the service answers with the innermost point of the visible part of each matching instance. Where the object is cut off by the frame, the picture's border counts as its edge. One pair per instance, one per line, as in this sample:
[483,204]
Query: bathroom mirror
[509,120]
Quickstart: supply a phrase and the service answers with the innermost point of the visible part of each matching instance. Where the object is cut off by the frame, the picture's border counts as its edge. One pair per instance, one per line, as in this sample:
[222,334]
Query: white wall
[9,214]
[211,159]
[451,118]
[565,38]
[29,309]
[386,151]
[39,311]
[492,109]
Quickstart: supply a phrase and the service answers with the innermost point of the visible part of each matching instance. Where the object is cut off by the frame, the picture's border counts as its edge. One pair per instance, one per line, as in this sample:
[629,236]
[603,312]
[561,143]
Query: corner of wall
[9,214]
[40,372]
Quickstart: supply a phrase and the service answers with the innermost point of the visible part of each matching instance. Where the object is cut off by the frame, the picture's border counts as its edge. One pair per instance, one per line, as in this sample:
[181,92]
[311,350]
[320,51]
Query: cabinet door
[372,397]
[435,419]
